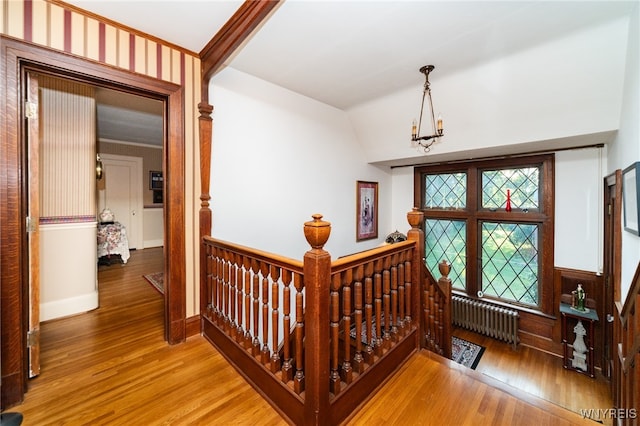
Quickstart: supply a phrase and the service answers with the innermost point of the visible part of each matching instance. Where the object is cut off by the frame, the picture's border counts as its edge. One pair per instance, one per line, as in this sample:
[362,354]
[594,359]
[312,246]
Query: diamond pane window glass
[510,261]
[446,239]
[523,184]
[446,190]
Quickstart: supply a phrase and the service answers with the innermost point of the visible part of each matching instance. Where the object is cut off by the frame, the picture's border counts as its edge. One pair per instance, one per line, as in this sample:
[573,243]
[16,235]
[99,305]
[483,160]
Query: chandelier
[436,126]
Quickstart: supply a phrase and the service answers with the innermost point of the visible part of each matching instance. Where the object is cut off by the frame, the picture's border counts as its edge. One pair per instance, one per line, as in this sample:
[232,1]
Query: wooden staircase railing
[317,337]
[626,366]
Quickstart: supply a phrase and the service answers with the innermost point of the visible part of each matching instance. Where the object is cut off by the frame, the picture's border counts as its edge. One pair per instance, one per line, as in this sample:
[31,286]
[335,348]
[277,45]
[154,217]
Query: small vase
[507,207]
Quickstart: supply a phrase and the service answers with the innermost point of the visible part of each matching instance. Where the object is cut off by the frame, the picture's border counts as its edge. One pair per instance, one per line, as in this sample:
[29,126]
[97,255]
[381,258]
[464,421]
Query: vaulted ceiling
[343,53]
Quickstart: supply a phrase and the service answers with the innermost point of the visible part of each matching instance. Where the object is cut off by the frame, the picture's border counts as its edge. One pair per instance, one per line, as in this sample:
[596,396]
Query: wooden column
[415,218]
[205,126]
[317,279]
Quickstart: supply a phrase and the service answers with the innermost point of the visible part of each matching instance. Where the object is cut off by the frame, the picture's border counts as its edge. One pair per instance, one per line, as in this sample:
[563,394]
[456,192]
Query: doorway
[19,58]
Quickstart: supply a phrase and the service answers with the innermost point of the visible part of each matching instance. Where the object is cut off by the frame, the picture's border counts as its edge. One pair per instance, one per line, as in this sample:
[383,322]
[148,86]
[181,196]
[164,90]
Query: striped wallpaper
[66,28]
[67,150]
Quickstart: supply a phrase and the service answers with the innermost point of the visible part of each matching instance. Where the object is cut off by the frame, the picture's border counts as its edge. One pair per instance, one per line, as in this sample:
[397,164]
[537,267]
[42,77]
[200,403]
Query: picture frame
[156,180]
[631,198]
[366,210]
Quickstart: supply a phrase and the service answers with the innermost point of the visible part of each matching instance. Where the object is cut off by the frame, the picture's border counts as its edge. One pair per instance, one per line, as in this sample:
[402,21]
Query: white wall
[153,227]
[626,148]
[578,209]
[567,87]
[68,269]
[278,158]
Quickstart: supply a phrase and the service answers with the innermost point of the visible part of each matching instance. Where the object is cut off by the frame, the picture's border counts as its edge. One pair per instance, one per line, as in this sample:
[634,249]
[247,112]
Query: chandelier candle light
[436,127]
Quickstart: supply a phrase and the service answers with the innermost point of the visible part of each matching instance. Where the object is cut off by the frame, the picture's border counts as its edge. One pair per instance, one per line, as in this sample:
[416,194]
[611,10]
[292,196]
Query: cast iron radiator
[485,318]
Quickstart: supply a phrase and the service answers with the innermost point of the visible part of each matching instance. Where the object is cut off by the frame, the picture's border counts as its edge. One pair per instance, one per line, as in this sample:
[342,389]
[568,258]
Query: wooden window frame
[474,215]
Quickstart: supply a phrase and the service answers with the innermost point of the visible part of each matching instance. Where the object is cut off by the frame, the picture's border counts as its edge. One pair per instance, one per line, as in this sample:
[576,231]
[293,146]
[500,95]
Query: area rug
[466,353]
[156,280]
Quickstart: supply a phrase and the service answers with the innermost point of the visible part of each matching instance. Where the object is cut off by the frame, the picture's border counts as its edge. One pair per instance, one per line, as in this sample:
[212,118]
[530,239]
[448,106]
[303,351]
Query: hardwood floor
[111,366]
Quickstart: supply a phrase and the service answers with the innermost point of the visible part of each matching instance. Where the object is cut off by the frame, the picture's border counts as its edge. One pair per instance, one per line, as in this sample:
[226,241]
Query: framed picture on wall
[631,198]
[366,210]
[155,180]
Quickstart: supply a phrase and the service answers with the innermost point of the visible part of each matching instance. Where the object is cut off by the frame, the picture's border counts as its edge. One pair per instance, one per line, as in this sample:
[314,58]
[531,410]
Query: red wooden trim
[28,20]
[132,52]
[159,62]
[67,31]
[102,42]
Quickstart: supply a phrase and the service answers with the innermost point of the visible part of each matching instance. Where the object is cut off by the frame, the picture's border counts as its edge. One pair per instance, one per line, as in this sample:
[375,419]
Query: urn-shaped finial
[415,217]
[317,231]
[444,267]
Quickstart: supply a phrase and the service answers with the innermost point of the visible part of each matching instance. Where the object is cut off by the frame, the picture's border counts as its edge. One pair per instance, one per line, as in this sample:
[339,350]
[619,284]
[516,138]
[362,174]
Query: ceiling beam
[232,35]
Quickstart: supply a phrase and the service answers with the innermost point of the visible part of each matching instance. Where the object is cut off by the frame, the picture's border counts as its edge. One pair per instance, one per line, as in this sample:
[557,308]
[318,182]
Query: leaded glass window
[510,261]
[496,253]
[445,191]
[447,240]
[522,183]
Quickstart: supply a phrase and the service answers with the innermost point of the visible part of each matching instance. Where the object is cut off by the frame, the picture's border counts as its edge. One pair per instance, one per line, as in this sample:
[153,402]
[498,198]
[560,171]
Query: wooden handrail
[275,259]
[351,260]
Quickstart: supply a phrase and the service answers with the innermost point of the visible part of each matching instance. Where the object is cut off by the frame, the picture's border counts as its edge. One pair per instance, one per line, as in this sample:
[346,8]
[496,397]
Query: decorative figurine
[579,348]
[580,298]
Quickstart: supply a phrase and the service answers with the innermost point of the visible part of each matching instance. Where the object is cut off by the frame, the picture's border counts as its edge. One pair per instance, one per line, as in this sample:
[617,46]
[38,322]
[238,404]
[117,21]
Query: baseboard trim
[69,306]
[193,326]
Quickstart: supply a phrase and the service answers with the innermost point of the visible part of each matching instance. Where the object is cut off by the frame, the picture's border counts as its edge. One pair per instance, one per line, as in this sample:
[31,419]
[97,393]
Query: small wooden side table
[589,317]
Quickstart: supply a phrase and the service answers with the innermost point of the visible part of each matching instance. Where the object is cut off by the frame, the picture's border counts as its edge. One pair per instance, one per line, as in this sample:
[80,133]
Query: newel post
[444,282]
[416,218]
[317,279]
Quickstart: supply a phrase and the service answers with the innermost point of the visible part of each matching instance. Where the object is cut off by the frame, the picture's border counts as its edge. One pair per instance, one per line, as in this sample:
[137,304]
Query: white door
[121,191]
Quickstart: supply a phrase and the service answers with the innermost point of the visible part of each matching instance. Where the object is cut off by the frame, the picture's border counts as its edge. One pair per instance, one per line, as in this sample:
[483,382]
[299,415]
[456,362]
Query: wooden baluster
[408,285]
[255,297]
[239,305]
[358,360]
[440,324]
[386,302]
[377,300]
[298,380]
[368,312]
[225,292]
[210,278]
[317,278]
[232,300]
[394,298]
[347,371]
[400,280]
[264,353]
[287,368]
[218,286]
[334,325]
[432,315]
[247,304]
[275,324]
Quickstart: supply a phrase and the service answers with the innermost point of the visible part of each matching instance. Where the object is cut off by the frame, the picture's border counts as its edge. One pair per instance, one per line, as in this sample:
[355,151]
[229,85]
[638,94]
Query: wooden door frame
[612,262]
[15,58]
